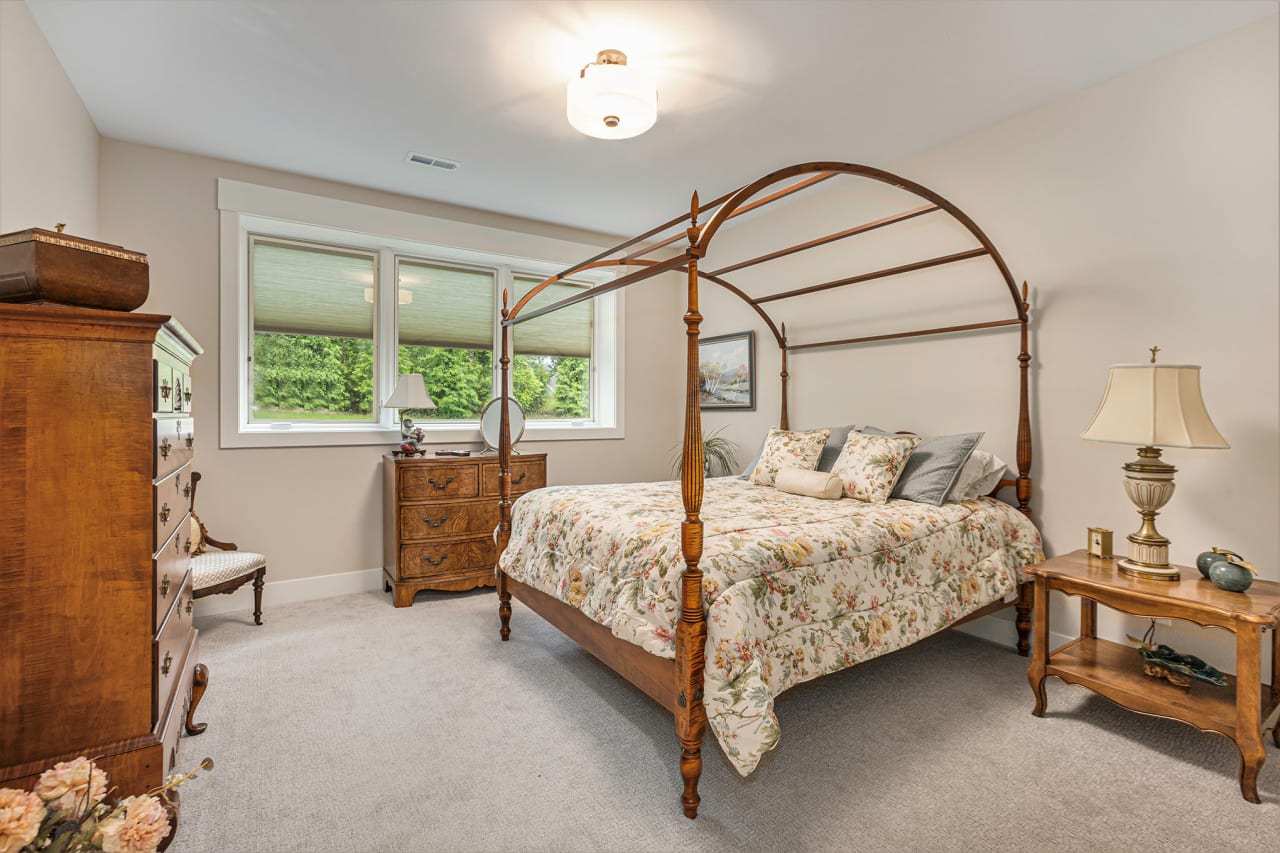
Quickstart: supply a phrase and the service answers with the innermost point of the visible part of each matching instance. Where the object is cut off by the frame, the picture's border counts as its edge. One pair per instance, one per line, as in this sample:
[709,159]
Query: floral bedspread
[794,587]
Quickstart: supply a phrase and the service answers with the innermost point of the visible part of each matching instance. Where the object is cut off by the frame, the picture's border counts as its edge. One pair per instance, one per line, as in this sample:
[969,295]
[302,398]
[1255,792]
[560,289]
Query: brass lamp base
[1148,481]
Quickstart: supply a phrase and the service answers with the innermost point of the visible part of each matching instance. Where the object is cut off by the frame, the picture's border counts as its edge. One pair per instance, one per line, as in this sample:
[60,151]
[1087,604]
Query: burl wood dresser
[98,655]
[438,517]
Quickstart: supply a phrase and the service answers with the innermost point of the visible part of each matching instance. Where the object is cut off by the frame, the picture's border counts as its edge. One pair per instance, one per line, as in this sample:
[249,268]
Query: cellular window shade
[311,290]
[565,332]
[442,306]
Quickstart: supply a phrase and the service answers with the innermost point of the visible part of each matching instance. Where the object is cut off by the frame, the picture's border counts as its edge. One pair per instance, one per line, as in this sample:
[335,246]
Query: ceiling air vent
[436,162]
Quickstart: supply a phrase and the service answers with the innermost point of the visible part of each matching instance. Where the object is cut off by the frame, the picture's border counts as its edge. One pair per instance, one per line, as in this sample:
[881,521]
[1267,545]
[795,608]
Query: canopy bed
[765,589]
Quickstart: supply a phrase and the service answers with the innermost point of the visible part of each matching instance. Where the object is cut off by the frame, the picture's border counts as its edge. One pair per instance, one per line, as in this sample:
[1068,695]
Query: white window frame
[265,211]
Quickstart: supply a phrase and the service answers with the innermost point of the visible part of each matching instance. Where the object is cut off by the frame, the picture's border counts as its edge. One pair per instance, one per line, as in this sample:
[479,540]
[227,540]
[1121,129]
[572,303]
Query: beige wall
[317,511]
[1142,211]
[48,142]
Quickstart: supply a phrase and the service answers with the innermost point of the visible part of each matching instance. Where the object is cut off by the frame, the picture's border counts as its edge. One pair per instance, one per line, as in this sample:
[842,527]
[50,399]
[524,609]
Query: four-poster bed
[668,659]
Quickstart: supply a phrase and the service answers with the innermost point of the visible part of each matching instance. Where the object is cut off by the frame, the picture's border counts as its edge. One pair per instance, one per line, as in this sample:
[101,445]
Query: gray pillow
[934,467]
[830,452]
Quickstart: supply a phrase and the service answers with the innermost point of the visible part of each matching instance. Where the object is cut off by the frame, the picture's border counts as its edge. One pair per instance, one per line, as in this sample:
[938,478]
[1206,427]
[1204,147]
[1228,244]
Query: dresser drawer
[169,508]
[168,647]
[447,557]
[169,729]
[431,482]
[437,521]
[175,443]
[162,387]
[526,475]
[170,567]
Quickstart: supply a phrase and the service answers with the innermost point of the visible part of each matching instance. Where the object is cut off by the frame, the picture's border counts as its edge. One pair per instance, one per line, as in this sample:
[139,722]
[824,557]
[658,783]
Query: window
[318,320]
[313,330]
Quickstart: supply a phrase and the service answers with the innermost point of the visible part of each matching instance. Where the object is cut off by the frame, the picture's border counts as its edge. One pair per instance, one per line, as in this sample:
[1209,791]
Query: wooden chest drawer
[175,443]
[169,729]
[448,556]
[526,475]
[440,481]
[437,521]
[169,508]
[168,647]
[170,564]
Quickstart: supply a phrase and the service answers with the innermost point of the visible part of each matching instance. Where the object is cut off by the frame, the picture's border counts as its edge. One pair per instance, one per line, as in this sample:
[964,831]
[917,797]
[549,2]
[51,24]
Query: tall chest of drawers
[438,517]
[98,655]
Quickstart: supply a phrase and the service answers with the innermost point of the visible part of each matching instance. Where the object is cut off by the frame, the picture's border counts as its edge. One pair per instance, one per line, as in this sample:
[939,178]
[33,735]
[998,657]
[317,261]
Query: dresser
[98,654]
[438,518]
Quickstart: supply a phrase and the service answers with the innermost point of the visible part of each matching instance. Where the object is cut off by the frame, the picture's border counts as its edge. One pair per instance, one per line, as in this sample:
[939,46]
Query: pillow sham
[812,484]
[830,451]
[785,449]
[933,469]
[981,473]
[870,465]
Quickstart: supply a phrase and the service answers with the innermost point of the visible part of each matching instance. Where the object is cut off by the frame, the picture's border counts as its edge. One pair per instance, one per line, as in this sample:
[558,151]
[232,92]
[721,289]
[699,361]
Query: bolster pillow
[813,484]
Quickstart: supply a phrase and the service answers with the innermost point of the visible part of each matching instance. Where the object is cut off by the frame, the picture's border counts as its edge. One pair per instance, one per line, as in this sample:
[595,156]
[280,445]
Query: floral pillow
[783,449]
[870,465]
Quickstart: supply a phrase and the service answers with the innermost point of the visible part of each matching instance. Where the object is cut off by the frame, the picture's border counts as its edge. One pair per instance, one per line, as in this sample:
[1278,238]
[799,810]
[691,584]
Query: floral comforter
[794,587]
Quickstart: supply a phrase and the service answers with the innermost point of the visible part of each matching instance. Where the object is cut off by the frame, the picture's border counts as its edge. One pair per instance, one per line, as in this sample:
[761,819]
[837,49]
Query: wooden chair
[225,569]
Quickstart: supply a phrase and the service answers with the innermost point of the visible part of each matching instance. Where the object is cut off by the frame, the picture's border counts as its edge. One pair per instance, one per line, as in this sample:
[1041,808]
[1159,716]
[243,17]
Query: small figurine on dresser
[410,393]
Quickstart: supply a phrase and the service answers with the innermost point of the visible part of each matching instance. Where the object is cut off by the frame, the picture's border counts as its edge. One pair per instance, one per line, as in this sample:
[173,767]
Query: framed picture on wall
[727,371]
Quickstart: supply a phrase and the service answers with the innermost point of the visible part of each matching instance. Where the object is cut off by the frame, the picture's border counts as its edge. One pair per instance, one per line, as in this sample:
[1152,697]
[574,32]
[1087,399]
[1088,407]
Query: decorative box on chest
[98,655]
[438,518]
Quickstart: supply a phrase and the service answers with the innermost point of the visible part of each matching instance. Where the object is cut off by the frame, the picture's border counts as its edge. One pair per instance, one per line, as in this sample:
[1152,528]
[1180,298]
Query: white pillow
[981,473]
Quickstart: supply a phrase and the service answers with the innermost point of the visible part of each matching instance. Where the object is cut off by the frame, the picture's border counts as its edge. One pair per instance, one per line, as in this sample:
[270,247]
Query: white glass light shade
[612,101]
[1157,405]
[410,393]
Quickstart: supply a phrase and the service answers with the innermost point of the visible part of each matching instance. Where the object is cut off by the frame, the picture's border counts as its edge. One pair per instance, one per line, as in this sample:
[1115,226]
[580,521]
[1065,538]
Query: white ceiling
[342,90]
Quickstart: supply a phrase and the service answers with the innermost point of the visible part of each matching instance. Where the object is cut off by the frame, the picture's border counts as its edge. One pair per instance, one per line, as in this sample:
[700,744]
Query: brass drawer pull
[177,396]
[177,545]
[442,520]
[186,490]
[190,606]
[520,479]
[440,486]
[165,447]
[191,441]
[164,513]
[167,664]
[164,587]
[165,390]
[177,483]
[186,546]
[186,395]
[443,557]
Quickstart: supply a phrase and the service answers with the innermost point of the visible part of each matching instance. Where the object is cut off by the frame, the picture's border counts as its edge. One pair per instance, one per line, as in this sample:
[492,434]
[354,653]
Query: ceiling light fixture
[610,100]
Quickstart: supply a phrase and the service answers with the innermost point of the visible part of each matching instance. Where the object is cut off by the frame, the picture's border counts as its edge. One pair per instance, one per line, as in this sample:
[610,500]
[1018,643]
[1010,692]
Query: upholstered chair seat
[214,567]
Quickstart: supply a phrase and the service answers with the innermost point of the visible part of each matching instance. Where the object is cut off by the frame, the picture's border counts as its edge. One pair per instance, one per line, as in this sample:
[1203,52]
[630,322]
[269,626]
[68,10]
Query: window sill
[265,436]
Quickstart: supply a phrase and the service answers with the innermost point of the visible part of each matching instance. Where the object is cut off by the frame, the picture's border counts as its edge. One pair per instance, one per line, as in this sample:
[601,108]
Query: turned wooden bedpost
[504,475]
[691,630]
[1023,605]
[782,418]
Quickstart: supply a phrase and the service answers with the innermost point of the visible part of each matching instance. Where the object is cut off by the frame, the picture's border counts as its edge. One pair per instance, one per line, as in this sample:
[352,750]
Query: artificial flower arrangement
[68,812]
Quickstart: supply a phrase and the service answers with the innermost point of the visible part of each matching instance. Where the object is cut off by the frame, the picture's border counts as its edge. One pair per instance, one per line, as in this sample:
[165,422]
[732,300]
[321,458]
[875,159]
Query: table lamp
[410,393]
[1155,406]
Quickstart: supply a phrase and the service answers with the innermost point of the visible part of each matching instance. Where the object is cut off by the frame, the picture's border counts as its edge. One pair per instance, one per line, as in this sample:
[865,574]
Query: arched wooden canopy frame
[678,684]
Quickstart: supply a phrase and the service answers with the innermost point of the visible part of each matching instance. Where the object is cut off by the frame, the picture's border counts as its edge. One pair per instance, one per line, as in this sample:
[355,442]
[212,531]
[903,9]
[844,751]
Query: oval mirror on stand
[491,423]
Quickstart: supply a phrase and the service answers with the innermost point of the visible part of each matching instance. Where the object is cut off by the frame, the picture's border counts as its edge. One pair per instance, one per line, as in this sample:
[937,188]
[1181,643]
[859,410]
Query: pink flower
[20,816]
[139,825]
[63,786]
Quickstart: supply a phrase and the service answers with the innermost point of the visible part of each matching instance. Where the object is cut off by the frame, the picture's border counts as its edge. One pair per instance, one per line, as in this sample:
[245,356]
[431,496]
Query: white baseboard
[999,629]
[287,592]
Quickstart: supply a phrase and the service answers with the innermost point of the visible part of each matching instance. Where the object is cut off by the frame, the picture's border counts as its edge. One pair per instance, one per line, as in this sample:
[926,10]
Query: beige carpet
[347,724]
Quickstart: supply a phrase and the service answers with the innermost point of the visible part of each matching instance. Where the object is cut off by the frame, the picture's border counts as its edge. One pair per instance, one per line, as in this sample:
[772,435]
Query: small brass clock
[1100,542]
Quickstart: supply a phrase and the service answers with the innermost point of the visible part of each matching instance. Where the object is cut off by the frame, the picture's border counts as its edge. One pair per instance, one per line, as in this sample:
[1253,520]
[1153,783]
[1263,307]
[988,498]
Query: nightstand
[438,518]
[1114,670]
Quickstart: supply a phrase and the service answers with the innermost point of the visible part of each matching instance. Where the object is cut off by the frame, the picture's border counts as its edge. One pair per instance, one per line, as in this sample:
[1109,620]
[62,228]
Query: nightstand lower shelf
[1114,670]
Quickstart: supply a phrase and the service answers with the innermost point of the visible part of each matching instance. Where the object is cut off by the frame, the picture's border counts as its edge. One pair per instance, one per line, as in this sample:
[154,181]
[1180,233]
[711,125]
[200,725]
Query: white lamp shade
[608,92]
[1156,405]
[410,393]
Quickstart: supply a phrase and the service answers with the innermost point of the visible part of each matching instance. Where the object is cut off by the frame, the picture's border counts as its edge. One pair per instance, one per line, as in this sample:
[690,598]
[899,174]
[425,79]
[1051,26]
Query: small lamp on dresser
[1154,406]
[410,393]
